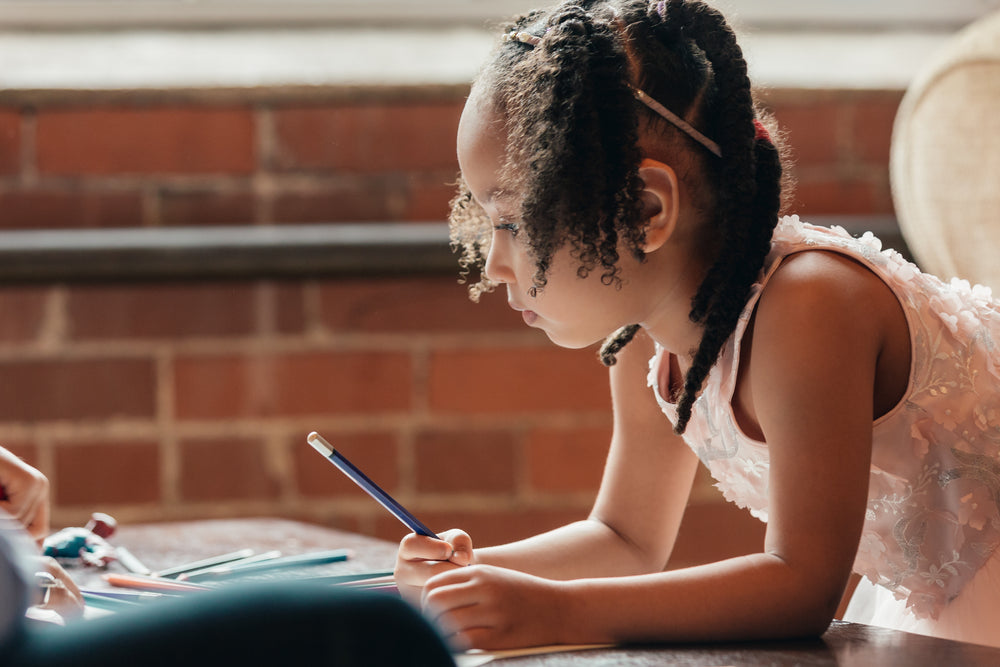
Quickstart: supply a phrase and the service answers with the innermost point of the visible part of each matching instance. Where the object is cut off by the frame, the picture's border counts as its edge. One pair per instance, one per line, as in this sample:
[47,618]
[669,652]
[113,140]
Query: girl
[617,183]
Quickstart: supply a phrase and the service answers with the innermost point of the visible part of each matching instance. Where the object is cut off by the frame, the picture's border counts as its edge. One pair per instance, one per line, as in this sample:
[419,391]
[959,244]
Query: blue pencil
[370,487]
[208,572]
[205,563]
[104,602]
[124,596]
[284,562]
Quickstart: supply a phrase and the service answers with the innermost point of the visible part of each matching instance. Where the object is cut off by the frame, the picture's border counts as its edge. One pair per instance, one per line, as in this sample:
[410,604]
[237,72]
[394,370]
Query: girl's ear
[660,202]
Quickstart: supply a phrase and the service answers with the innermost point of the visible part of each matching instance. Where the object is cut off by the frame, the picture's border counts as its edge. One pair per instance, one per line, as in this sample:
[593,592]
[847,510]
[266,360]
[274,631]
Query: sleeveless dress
[928,547]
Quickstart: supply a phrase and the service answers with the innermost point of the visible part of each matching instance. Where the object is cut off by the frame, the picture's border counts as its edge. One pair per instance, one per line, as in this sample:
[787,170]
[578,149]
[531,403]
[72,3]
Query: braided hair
[573,127]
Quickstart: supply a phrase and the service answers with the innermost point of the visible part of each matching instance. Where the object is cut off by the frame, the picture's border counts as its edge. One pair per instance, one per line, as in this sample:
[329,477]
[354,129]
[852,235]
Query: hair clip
[760,132]
[677,121]
[523,37]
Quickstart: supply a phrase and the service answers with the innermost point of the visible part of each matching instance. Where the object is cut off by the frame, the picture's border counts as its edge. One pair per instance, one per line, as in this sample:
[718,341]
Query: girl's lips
[529,316]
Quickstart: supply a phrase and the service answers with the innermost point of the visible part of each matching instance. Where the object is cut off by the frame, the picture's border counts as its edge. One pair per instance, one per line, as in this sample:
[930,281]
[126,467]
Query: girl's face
[574,312]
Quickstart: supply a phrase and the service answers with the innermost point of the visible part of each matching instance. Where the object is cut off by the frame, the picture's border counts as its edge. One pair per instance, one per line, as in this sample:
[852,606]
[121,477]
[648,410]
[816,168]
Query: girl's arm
[646,483]
[808,385]
[632,527]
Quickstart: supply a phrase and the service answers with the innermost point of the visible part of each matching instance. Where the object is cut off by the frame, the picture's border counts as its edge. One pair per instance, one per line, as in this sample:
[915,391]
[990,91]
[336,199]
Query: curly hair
[573,151]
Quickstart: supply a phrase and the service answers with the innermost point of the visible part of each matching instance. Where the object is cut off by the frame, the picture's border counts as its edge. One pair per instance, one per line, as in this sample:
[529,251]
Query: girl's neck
[668,311]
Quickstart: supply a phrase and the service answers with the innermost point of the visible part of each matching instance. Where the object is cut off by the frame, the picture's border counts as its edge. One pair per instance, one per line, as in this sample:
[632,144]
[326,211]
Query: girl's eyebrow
[498,193]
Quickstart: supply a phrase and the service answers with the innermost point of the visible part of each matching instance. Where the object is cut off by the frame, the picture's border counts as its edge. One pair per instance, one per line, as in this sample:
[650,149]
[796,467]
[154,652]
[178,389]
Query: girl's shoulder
[915,290]
[826,270]
[831,262]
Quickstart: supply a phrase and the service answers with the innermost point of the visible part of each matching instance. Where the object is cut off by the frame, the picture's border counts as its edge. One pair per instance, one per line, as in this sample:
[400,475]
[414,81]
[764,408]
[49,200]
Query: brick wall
[184,400]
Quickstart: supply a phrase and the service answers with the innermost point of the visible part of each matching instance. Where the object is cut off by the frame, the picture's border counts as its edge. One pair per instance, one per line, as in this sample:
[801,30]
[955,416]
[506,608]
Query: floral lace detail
[933,515]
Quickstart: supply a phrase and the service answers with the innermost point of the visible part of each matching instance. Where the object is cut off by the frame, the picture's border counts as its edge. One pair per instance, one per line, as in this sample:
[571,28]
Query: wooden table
[843,645]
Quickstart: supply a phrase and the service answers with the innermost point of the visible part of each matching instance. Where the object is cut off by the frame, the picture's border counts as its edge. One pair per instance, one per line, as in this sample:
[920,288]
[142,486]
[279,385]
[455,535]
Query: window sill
[253,63]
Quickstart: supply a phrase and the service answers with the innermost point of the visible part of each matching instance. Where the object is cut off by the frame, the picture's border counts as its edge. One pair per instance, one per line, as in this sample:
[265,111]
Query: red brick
[91,473]
[308,383]
[813,131]
[207,207]
[46,208]
[71,389]
[567,460]
[290,308]
[429,200]
[340,202]
[22,312]
[517,380]
[412,304]
[367,137]
[161,311]
[225,469]
[454,462]
[10,141]
[841,197]
[488,527]
[375,453]
[145,140]
[871,128]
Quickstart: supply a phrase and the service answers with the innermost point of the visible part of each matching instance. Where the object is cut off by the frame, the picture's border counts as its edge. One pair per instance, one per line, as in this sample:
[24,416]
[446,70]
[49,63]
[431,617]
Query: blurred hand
[25,494]
[61,595]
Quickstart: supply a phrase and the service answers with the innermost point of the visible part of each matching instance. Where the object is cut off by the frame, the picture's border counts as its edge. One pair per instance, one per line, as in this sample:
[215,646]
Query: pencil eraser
[319,444]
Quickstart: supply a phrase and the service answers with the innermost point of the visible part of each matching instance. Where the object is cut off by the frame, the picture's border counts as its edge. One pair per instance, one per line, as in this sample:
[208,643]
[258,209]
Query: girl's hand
[490,607]
[25,494]
[62,595]
[419,558]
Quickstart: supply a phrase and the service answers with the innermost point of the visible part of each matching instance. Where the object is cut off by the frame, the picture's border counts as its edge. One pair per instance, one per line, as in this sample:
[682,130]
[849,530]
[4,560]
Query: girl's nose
[498,266]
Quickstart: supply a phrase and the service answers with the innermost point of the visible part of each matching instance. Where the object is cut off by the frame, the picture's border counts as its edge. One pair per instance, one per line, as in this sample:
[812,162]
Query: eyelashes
[505,226]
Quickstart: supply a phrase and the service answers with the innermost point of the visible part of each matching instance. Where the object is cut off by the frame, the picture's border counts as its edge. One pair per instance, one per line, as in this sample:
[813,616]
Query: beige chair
[945,160]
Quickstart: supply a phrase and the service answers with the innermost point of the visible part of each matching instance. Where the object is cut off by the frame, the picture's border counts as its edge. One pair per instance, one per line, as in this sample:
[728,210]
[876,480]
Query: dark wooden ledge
[238,252]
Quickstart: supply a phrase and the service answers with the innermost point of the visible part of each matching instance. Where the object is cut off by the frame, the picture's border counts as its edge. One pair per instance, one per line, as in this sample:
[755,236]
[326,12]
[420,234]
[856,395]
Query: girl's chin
[568,342]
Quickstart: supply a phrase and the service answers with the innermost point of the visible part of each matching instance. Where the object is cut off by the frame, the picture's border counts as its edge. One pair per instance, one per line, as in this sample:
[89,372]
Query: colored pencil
[207,572]
[370,487]
[205,563]
[142,583]
[285,562]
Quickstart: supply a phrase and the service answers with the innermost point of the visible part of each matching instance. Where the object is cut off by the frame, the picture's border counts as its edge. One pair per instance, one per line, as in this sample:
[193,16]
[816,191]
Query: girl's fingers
[463,628]
[461,545]
[34,513]
[420,548]
[64,597]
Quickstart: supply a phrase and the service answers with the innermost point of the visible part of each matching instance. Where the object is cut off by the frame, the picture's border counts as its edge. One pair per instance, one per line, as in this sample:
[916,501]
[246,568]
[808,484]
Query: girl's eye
[505,226]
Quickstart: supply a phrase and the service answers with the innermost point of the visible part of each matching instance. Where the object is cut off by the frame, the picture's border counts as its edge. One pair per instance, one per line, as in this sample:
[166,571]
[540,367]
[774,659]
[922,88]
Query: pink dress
[928,548]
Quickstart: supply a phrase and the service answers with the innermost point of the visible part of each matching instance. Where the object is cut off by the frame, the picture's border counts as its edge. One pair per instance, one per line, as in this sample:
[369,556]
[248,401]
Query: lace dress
[928,548]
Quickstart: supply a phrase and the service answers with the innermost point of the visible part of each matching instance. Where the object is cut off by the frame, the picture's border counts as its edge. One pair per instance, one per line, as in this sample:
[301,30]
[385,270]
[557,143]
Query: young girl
[618,184]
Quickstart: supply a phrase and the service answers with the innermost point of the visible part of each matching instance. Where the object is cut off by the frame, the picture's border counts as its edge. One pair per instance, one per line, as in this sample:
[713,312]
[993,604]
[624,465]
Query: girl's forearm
[751,597]
[587,548]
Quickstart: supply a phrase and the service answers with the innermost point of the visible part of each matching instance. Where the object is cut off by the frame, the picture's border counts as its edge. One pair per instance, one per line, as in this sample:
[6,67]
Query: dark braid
[575,124]
[615,342]
[573,137]
[573,141]
[745,212]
